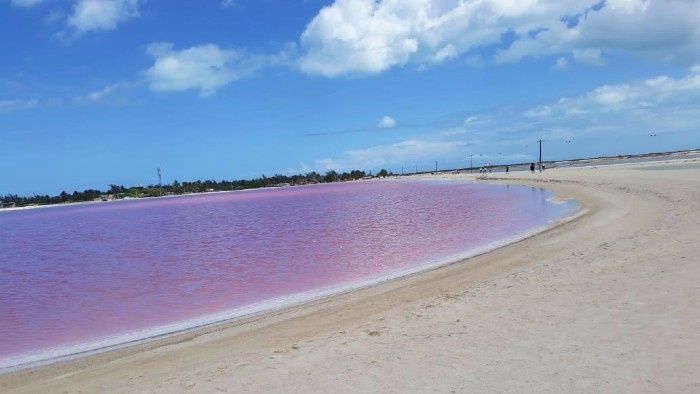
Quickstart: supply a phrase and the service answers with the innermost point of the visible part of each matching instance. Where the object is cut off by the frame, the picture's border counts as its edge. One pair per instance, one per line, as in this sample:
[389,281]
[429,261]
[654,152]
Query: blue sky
[94,92]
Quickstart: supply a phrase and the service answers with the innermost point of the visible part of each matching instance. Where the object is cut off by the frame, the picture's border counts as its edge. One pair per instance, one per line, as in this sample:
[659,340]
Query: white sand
[608,302]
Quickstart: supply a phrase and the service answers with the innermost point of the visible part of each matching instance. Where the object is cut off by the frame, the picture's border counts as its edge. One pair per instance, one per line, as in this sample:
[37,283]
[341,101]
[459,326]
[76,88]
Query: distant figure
[507,169]
[542,166]
[532,167]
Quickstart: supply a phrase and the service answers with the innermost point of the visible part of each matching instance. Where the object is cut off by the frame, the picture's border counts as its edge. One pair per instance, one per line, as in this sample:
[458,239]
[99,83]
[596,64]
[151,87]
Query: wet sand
[607,302]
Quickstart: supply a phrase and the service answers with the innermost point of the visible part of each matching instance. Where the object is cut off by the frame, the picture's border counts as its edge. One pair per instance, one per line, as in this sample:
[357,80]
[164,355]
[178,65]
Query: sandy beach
[608,302]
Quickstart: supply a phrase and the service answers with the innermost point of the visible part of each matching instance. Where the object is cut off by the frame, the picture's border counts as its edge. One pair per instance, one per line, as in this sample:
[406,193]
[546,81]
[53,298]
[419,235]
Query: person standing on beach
[532,168]
[507,169]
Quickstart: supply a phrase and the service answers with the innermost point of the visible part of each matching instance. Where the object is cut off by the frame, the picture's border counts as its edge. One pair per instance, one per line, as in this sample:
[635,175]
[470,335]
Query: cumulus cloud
[387,122]
[205,68]
[16,104]
[91,15]
[658,29]
[370,36]
[658,93]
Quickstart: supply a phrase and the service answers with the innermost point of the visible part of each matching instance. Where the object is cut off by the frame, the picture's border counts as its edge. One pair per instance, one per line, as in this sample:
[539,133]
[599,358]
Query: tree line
[120,191]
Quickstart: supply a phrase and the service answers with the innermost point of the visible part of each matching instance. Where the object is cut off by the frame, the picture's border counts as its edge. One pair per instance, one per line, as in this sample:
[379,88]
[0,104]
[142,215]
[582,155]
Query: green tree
[331,176]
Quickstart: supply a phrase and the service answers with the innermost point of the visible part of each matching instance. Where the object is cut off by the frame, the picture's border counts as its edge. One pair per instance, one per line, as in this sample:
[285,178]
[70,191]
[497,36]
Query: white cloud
[99,94]
[26,3]
[387,122]
[370,36]
[108,90]
[406,152]
[205,68]
[90,15]
[659,93]
[544,110]
[657,29]
[17,105]
[593,56]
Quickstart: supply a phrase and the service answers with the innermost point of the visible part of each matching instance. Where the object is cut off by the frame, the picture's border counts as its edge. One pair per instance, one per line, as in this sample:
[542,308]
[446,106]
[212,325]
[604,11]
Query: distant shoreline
[602,160]
[67,204]
[147,198]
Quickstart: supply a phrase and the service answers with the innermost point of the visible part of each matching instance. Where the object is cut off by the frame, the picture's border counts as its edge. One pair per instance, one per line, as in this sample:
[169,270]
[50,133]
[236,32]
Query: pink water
[75,278]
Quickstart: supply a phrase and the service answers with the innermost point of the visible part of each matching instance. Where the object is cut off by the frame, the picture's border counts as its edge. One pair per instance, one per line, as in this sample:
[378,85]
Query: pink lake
[79,278]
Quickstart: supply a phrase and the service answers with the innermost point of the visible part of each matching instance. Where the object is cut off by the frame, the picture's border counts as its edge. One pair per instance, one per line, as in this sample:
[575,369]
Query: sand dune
[608,302]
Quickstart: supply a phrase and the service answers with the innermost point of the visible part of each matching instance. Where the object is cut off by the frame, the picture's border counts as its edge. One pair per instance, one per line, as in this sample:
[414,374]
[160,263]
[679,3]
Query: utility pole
[540,141]
[471,162]
[160,182]
[436,167]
